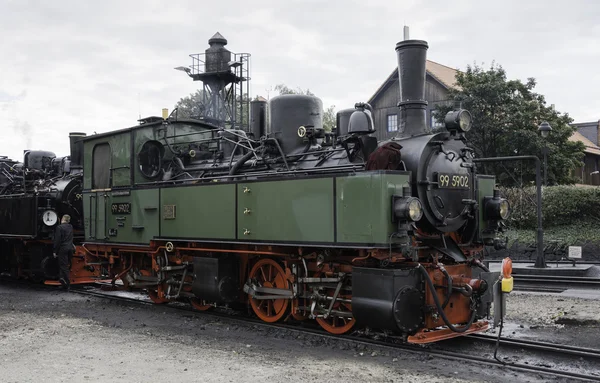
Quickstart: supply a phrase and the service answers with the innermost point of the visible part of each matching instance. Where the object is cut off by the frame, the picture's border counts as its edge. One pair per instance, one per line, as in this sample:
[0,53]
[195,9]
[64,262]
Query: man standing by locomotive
[63,249]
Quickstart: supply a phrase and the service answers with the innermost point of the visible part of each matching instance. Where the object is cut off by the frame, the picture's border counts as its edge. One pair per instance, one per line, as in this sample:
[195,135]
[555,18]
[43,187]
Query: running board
[430,336]
[76,281]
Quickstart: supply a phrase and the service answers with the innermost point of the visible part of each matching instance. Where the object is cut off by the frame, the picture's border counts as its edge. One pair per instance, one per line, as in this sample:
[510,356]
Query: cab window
[101,167]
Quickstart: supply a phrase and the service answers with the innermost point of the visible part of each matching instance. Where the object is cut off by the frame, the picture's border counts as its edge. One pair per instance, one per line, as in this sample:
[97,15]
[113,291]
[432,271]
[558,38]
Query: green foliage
[506,115]
[586,231]
[329,118]
[193,106]
[284,89]
[561,206]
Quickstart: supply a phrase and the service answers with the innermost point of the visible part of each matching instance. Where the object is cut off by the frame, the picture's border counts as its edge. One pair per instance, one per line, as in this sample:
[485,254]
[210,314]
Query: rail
[389,343]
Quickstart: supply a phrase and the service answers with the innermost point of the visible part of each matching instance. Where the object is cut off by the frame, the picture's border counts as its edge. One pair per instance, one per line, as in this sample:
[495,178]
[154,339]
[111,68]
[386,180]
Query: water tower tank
[217,56]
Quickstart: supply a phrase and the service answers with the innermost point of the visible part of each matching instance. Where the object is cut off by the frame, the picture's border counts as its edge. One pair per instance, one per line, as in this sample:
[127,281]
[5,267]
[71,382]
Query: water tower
[226,80]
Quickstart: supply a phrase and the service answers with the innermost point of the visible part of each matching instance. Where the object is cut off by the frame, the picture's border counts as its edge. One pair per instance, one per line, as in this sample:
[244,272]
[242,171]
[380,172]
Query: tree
[506,115]
[329,118]
[328,114]
[284,89]
[193,106]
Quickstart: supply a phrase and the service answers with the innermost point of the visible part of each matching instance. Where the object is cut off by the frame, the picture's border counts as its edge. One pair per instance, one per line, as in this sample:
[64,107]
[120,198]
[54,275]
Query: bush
[574,235]
[561,205]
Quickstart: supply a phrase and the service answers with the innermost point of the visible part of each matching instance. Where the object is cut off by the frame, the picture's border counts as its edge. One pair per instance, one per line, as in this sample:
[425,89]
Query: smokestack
[412,55]
[406,34]
[258,118]
[76,143]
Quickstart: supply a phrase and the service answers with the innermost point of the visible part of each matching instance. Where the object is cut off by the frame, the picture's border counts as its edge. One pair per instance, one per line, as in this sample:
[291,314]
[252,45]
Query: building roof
[590,147]
[445,75]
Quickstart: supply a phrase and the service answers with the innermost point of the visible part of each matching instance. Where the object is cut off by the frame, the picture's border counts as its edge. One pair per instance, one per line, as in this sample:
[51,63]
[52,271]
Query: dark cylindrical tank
[361,121]
[342,118]
[258,118]
[288,113]
[217,56]
[38,159]
[76,143]
[412,55]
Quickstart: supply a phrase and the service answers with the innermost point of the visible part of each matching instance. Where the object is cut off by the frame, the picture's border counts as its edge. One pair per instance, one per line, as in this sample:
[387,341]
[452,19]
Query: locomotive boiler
[460,213]
[34,195]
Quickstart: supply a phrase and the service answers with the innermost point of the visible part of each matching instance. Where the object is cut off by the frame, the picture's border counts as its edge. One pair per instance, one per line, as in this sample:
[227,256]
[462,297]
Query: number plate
[454,181]
[121,208]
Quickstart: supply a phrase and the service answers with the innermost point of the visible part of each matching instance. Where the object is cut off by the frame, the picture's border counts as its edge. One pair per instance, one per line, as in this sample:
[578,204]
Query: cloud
[80,66]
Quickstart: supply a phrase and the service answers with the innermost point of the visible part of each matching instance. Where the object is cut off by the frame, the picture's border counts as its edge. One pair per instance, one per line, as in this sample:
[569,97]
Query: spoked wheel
[268,273]
[156,294]
[335,324]
[200,304]
[155,297]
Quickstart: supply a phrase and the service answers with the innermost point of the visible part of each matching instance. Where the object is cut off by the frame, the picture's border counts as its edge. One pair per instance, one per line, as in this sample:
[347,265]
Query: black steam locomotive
[34,195]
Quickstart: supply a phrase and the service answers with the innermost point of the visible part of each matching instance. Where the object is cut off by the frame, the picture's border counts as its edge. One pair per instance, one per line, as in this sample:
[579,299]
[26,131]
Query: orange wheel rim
[337,325]
[267,273]
[155,297]
[333,324]
[199,304]
[153,293]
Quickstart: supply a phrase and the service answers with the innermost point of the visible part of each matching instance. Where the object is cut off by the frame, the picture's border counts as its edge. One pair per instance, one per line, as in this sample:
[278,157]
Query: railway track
[392,344]
[579,352]
[554,283]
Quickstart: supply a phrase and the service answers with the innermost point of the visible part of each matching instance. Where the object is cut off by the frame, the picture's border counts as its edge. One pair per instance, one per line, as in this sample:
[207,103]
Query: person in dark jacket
[63,248]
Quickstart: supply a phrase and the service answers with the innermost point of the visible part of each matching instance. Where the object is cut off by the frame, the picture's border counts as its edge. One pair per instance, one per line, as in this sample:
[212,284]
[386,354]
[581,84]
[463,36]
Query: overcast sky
[94,66]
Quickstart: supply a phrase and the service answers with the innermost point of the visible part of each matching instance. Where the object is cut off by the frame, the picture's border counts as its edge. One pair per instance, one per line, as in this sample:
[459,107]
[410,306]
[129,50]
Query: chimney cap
[412,43]
[217,38]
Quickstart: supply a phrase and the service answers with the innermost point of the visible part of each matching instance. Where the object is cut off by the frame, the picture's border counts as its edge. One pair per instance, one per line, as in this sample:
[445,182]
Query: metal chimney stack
[412,55]
[406,33]
[76,144]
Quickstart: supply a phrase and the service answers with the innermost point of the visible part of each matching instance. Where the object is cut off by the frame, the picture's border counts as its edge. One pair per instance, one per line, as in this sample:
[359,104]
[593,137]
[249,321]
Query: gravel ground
[552,310]
[64,337]
[554,318]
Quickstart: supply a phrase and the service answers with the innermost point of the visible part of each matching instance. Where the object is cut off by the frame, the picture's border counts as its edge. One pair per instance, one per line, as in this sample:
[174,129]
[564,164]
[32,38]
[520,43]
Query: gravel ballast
[62,337]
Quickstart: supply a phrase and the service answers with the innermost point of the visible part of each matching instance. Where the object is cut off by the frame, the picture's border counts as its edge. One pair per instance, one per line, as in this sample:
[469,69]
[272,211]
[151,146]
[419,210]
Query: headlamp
[460,120]
[408,208]
[504,209]
[49,218]
[496,208]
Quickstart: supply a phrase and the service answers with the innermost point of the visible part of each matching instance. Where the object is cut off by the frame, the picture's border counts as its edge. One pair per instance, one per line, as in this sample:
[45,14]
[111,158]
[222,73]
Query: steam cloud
[25,130]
